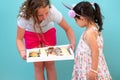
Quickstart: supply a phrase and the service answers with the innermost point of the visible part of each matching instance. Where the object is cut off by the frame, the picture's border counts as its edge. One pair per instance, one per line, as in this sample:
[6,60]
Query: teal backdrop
[12,67]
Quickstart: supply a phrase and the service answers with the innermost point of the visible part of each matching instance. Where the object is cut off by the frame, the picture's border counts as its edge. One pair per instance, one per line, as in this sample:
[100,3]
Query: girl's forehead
[42,10]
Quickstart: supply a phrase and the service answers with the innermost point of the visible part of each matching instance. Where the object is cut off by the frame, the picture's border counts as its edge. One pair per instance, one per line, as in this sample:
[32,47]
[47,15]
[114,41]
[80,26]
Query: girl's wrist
[95,71]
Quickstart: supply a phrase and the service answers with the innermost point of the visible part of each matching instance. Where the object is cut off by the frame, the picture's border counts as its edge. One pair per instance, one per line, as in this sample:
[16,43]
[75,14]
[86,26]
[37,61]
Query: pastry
[34,54]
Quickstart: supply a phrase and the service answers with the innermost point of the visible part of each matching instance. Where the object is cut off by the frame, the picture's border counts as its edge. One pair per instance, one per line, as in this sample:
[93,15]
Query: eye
[40,15]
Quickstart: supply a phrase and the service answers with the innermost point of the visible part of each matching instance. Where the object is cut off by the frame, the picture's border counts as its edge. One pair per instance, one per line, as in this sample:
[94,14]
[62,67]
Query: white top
[53,16]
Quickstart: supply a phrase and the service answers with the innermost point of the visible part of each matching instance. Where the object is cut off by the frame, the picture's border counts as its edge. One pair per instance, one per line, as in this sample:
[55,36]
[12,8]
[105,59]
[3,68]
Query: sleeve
[56,15]
[21,22]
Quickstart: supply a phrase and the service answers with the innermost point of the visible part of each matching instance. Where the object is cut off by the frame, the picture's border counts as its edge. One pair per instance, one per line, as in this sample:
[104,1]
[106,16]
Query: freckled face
[42,13]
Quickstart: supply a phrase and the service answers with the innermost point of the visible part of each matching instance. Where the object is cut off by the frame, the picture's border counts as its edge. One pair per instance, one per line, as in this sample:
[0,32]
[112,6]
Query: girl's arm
[91,39]
[69,32]
[20,43]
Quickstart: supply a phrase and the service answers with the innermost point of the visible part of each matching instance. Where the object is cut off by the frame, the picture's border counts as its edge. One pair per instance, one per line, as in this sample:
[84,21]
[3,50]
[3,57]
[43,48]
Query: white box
[50,53]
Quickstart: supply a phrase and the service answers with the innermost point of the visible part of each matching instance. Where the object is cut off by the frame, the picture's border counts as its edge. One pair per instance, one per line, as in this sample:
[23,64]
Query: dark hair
[90,11]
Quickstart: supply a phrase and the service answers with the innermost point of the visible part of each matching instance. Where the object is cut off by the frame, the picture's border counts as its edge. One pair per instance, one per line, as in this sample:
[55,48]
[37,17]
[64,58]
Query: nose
[44,17]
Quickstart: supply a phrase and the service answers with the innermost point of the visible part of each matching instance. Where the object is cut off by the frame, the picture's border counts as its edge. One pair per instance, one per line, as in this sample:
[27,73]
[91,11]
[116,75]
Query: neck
[89,25]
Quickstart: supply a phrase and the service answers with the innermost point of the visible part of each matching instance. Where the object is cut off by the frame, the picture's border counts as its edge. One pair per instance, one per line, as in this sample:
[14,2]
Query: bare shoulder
[90,36]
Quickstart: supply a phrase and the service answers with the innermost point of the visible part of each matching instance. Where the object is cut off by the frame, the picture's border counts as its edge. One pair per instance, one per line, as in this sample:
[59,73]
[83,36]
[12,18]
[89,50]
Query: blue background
[12,67]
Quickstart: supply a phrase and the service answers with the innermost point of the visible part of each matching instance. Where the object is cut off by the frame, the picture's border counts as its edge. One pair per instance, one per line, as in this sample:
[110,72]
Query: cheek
[79,23]
[39,18]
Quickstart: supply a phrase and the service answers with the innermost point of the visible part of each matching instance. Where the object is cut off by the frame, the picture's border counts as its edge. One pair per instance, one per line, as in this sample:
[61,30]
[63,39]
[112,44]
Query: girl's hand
[92,75]
[23,54]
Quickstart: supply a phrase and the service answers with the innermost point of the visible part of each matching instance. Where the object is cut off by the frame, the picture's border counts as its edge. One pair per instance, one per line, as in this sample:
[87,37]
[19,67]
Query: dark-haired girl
[89,62]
